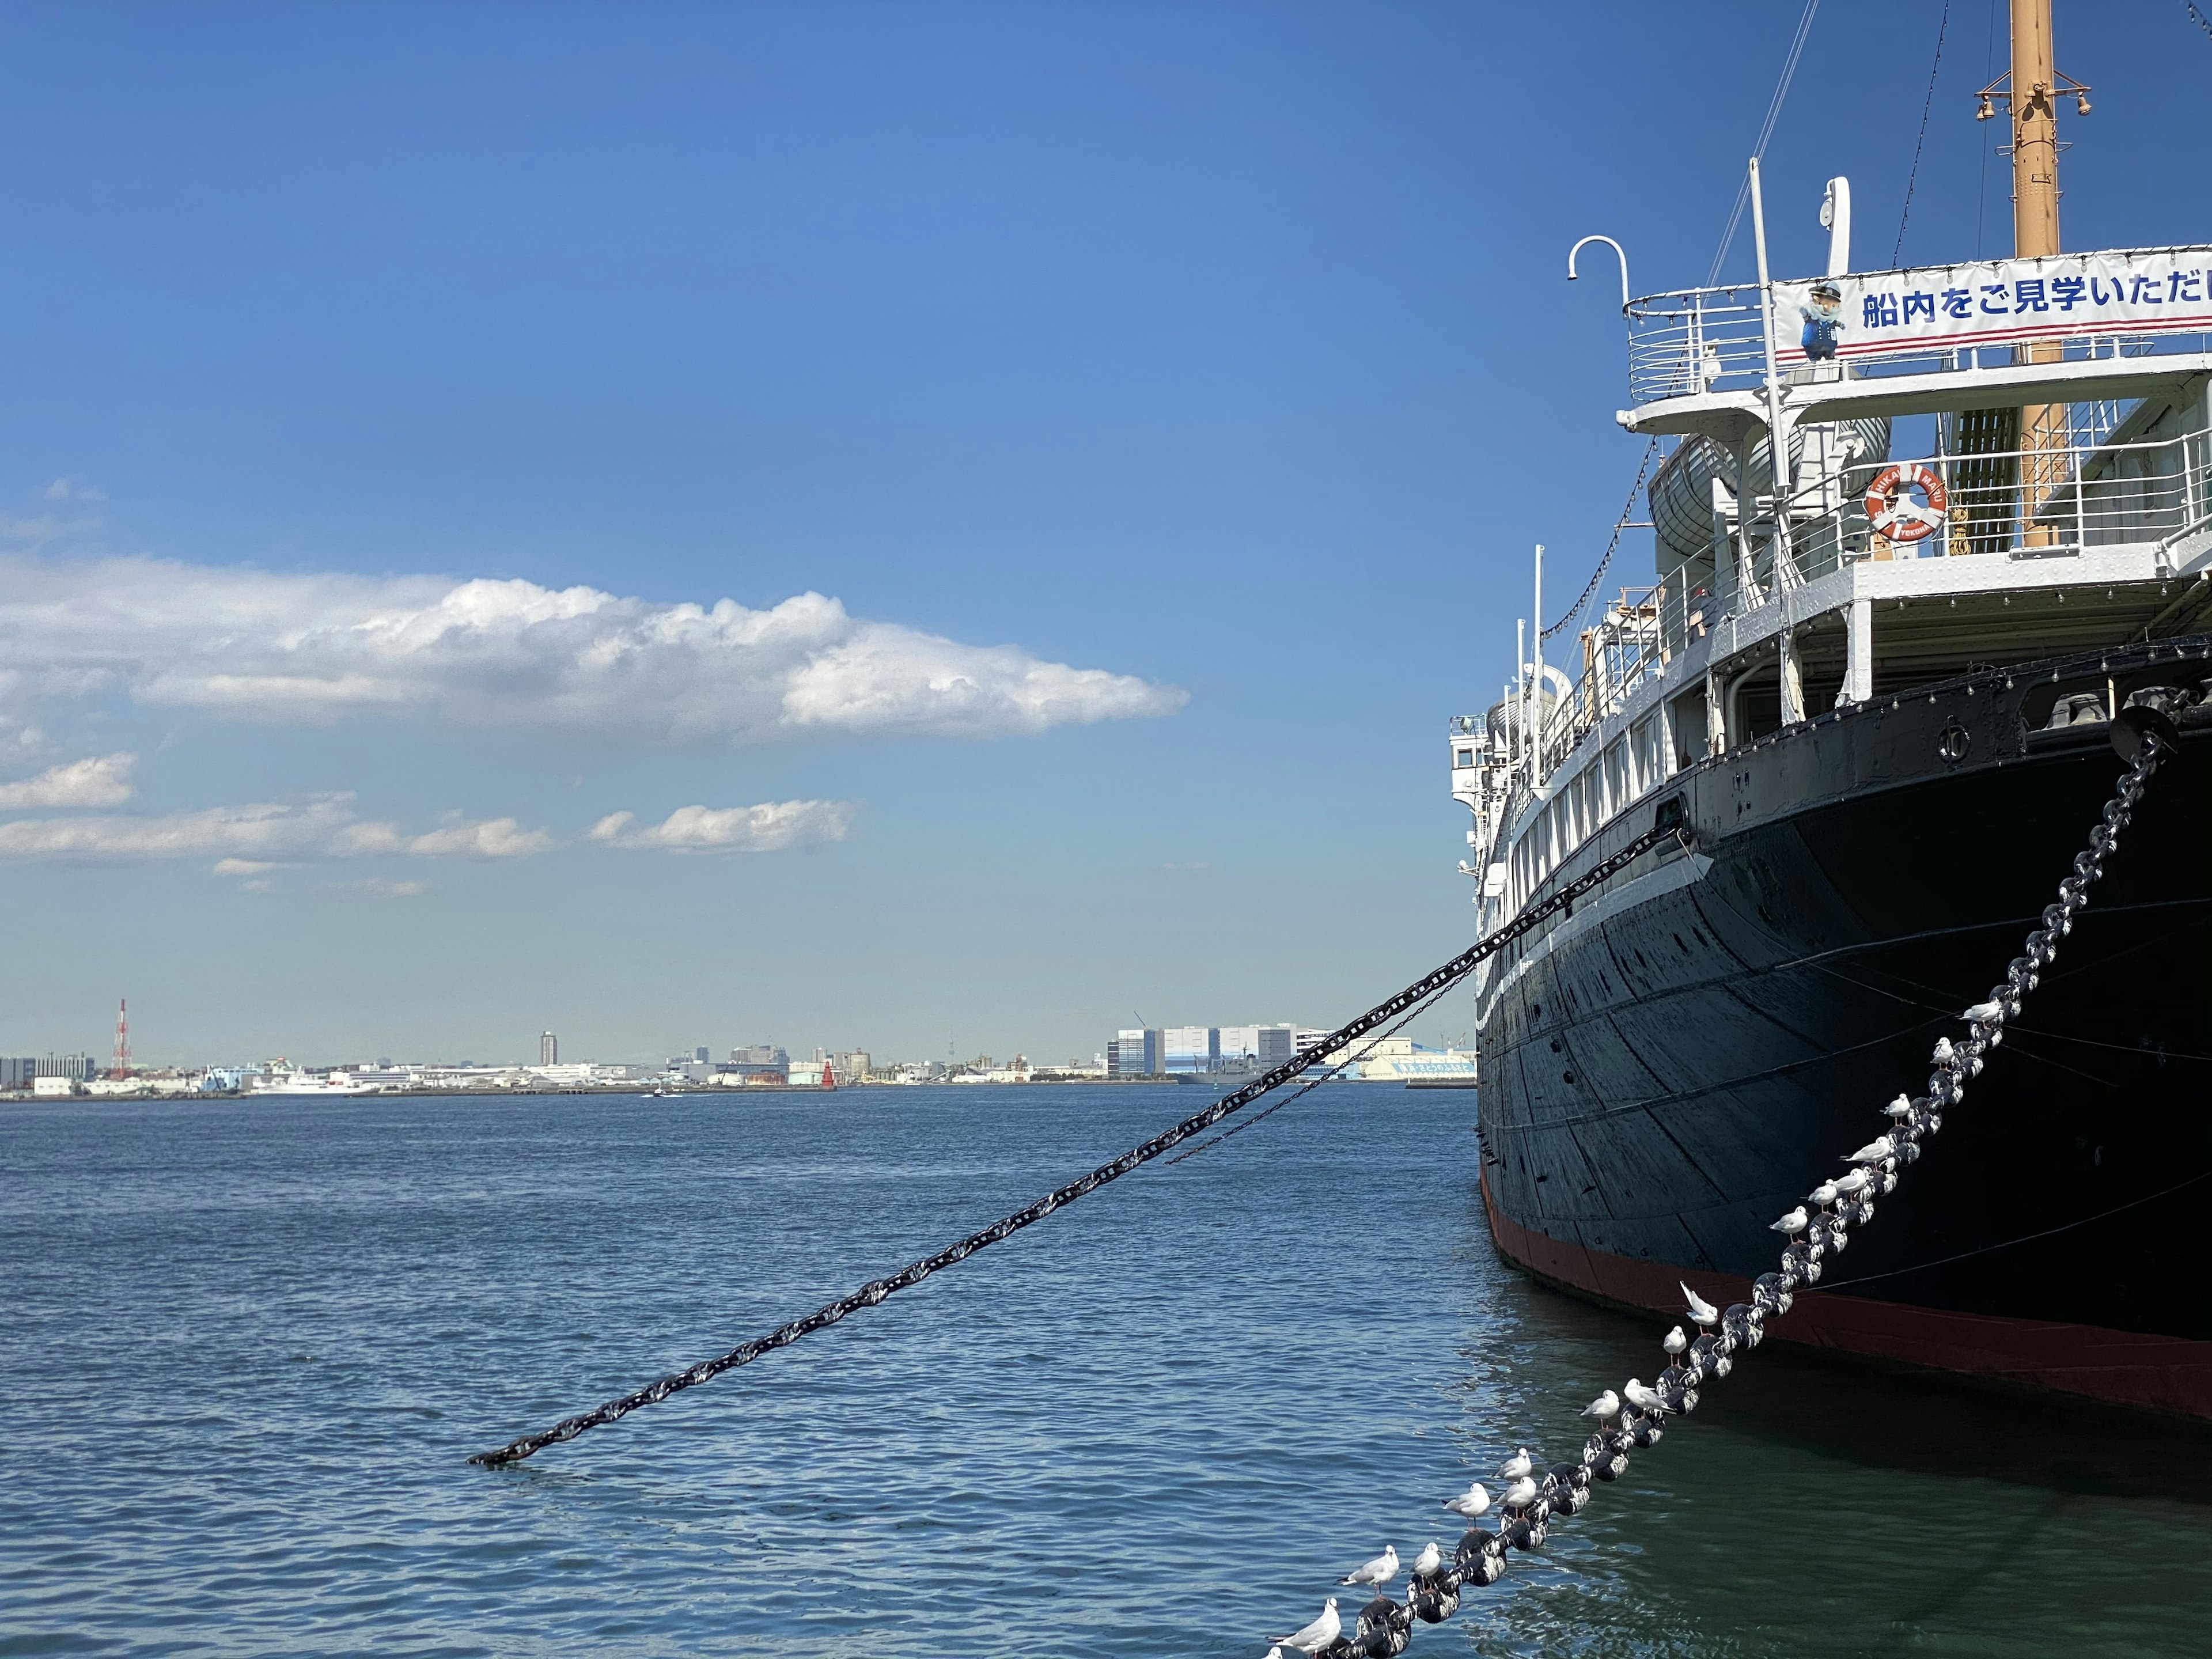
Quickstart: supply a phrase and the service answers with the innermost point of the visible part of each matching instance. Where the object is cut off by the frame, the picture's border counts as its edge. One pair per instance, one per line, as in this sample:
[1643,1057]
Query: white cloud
[771,827]
[273,647]
[97,781]
[380,888]
[248,840]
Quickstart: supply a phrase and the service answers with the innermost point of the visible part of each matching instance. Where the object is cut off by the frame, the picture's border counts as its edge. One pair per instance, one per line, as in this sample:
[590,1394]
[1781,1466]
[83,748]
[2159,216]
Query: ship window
[1465,757]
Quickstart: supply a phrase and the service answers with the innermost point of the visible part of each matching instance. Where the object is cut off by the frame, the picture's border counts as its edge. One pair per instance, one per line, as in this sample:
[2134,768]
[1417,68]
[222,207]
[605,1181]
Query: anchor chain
[1384,1627]
[1668,829]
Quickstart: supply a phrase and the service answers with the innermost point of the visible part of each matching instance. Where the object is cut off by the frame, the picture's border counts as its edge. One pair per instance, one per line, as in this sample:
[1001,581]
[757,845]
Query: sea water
[246,1346]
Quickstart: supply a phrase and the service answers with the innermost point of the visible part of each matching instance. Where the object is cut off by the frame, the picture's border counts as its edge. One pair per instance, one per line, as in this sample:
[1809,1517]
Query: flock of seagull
[1835,1205]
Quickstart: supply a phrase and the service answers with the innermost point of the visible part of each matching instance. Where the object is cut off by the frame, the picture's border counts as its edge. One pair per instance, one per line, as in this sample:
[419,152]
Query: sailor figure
[1823,316]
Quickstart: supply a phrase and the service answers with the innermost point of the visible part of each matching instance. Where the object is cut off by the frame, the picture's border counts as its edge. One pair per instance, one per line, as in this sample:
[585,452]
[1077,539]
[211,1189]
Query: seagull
[1702,1312]
[1874,1151]
[1317,1635]
[1983,1012]
[1516,1466]
[1899,1108]
[1944,1053]
[1378,1572]
[1846,1185]
[1824,1194]
[1472,1503]
[1644,1399]
[1426,1562]
[1519,1494]
[1605,1407]
[1793,1223]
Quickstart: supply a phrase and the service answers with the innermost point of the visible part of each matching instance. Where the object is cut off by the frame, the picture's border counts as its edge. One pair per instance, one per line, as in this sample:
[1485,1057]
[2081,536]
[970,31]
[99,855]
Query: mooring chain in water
[869,1295]
[1635,1418]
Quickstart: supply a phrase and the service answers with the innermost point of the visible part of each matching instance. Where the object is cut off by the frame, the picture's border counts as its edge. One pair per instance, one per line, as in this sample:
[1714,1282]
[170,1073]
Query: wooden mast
[2044,435]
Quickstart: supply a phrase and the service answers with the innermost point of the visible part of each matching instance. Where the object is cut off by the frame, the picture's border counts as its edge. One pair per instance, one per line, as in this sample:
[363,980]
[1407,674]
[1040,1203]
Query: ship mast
[2031,100]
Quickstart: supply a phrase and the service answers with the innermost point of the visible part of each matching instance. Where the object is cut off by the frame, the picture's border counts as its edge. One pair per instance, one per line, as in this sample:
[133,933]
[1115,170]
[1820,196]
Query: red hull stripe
[2166,1374]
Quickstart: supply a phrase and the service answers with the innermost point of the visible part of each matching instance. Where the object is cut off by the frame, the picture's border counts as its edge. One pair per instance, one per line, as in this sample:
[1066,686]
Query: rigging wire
[1766,132]
[1627,518]
[2198,17]
[1912,178]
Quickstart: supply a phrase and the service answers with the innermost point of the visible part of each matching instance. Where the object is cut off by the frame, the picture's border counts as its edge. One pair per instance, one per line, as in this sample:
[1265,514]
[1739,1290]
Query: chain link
[870,1294]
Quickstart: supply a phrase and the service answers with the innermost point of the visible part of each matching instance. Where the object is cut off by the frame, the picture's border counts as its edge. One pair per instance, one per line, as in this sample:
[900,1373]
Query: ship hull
[1670,1071]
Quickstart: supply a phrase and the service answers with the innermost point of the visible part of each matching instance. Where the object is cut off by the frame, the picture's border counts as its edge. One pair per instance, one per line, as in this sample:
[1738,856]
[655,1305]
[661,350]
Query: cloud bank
[772,827]
[96,781]
[248,840]
[277,647]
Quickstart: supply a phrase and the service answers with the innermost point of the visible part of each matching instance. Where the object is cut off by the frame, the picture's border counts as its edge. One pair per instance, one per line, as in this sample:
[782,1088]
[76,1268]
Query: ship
[1921,536]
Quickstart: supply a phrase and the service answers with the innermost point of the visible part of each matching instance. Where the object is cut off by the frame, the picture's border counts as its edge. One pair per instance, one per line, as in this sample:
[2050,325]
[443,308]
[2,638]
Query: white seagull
[1944,1053]
[1519,1494]
[1675,1341]
[1855,1181]
[1605,1407]
[1644,1399]
[1317,1635]
[1982,1012]
[1472,1503]
[1900,1107]
[1517,1466]
[1824,1194]
[1426,1562]
[1793,1223]
[1702,1312]
[1874,1151]
[1378,1572]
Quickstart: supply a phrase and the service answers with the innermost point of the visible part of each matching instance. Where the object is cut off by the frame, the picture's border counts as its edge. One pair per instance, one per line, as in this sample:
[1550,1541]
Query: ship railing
[1695,341]
[2053,500]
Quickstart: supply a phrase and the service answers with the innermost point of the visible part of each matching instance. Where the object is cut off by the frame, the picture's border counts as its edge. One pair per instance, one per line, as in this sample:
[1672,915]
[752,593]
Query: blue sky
[1159,399]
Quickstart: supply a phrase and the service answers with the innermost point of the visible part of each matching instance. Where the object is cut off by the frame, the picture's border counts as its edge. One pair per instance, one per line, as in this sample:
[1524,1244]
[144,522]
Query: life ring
[1892,512]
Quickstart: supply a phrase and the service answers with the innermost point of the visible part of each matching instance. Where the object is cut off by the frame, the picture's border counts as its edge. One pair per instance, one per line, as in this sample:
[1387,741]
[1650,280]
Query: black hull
[1665,1073]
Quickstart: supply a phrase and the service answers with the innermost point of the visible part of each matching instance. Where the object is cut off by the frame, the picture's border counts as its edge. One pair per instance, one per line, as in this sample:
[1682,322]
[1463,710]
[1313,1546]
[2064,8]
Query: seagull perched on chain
[1426,1562]
[1517,1466]
[1824,1194]
[1874,1151]
[1944,1052]
[1792,1223]
[1899,1108]
[1472,1503]
[1317,1635]
[1983,1012]
[1855,1181]
[1519,1495]
[1702,1312]
[1644,1399]
[1605,1407]
[1376,1573]
[1675,1342]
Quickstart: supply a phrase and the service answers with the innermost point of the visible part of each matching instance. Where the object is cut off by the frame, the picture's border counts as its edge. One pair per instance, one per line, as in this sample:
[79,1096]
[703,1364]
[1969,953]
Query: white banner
[1994,302]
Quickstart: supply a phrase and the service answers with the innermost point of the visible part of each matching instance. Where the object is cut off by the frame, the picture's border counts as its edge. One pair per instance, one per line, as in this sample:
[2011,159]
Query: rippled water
[247,1347]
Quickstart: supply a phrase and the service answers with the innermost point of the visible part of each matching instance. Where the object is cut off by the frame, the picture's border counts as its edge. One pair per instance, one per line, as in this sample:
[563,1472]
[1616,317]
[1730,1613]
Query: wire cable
[1912,178]
[1766,132]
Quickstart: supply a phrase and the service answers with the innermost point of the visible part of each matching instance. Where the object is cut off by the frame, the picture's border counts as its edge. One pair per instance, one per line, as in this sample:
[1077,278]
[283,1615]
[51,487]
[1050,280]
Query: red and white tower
[122,1067]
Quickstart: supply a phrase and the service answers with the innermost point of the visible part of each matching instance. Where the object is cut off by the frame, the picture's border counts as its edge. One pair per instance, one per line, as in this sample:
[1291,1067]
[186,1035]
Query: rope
[1912,178]
[1627,517]
[1765,131]
[1525,1509]
[1421,992]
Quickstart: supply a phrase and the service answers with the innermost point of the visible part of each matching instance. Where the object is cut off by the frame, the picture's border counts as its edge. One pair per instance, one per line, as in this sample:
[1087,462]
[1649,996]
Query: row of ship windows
[1633,763]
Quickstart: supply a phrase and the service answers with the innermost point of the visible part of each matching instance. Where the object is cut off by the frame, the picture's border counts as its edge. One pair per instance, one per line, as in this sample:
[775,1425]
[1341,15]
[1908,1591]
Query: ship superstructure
[1875,689]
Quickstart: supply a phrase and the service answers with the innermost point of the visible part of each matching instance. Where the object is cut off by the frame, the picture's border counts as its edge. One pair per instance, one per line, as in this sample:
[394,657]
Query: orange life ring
[1893,513]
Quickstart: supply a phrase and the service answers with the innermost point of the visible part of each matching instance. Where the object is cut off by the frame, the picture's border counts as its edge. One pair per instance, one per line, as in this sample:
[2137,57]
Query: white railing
[2018,504]
[1713,339]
